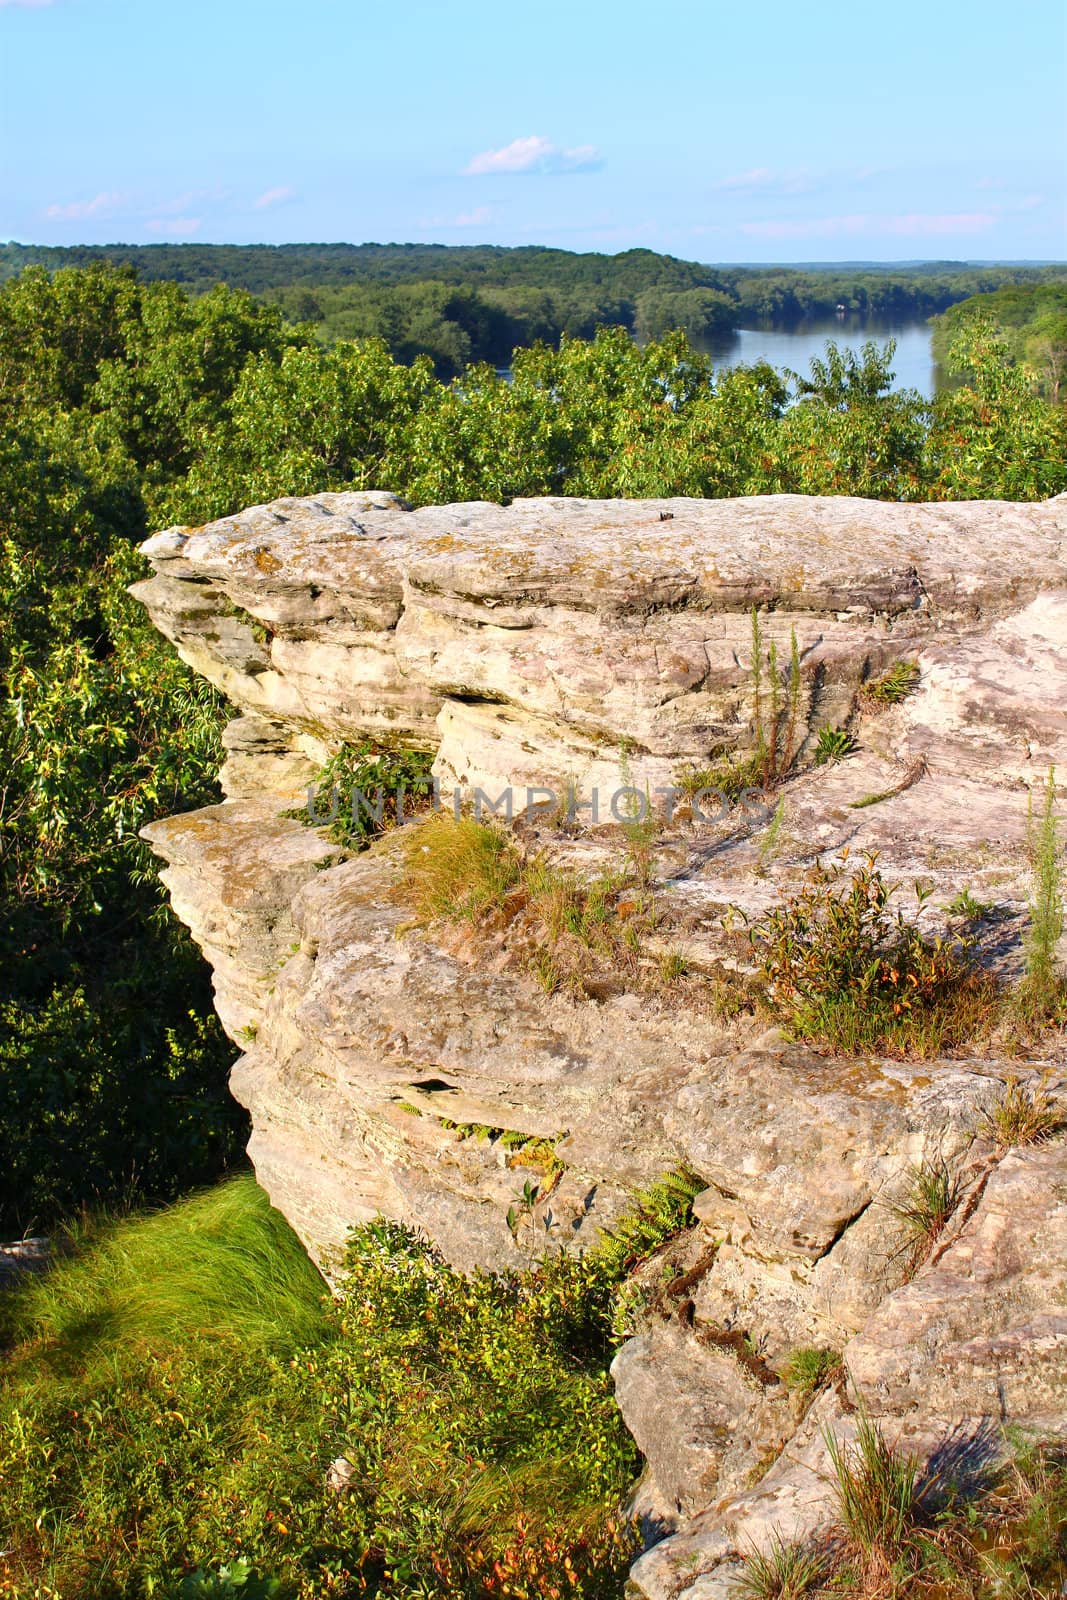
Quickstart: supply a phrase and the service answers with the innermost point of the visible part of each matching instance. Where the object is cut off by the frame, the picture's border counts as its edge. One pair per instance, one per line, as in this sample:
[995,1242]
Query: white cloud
[762,180]
[274,197]
[108,203]
[865,174]
[912,224]
[176,214]
[755,178]
[179,226]
[180,205]
[533,154]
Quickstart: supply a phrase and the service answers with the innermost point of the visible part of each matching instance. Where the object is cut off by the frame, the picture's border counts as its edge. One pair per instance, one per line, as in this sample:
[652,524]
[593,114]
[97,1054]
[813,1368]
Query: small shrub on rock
[845,971]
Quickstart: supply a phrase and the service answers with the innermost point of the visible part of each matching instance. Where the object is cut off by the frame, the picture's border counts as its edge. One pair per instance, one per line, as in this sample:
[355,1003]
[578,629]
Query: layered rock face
[607,645]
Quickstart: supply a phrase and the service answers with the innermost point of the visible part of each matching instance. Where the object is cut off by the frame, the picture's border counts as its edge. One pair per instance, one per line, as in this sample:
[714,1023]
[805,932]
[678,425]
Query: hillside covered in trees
[460,304]
[1032,321]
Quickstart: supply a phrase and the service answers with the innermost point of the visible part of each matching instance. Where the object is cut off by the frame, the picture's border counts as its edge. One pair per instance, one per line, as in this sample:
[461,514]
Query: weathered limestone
[609,643]
[975,1343]
[592,622]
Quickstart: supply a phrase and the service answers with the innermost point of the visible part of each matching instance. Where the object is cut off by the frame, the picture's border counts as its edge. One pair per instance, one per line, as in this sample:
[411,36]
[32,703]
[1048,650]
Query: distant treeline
[1031,319]
[461,304]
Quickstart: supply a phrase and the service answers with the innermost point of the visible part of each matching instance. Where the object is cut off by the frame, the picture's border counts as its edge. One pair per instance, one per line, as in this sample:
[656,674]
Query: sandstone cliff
[599,644]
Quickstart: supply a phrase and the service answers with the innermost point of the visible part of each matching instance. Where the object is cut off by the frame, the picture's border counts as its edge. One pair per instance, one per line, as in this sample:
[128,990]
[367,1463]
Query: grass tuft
[878,1494]
[832,745]
[925,1208]
[892,686]
[784,1572]
[968,907]
[810,1368]
[460,871]
[673,964]
[1023,1114]
[1007,1542]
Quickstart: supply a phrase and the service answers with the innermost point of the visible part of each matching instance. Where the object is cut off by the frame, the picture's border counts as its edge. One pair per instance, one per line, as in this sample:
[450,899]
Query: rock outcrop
[607,645]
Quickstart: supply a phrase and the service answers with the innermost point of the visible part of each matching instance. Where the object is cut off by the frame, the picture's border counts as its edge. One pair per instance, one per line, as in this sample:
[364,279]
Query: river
[794,347]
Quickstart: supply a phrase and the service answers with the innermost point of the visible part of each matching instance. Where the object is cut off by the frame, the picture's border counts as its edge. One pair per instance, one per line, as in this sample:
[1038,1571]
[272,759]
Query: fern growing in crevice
[660,1211]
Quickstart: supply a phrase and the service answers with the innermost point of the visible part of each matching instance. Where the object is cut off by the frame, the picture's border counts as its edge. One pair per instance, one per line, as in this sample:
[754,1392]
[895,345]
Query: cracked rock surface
[604,644]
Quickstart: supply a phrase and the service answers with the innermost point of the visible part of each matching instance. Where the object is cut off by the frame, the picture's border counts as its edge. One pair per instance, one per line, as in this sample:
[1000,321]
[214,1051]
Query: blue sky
[713,130]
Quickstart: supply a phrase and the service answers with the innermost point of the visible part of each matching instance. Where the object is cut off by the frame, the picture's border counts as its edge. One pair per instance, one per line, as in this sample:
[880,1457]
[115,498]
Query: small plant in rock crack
[833,744]
[783,1572]
[775,708]
[924,1209]
[892,686]
[810,1368]
[1023,1114]
[657,1213]
[523,1207]
[967,908]
[846,971]
[1041,993]
[771,841]
[357,792]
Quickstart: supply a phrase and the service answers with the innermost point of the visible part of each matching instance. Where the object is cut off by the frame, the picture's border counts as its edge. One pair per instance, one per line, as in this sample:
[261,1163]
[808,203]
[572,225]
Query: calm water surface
[794,347]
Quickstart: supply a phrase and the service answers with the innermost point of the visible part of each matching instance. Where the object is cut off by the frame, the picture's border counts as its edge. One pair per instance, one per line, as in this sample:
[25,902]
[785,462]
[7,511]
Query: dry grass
[578,932]
[1023,1114]
[459,871]
[904,1535]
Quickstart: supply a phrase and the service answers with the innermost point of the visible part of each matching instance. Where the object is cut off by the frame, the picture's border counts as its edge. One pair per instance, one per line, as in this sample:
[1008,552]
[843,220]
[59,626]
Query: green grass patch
[175,1392]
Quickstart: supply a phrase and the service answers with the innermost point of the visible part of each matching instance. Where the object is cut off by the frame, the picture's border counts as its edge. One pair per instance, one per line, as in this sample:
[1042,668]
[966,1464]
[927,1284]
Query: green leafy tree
[850,432]
[993,438]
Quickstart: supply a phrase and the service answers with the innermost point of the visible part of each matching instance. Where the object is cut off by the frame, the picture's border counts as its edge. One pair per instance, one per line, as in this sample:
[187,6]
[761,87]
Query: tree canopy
[126,405]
